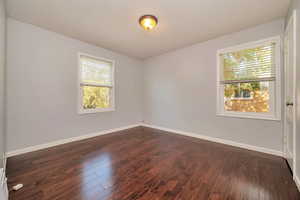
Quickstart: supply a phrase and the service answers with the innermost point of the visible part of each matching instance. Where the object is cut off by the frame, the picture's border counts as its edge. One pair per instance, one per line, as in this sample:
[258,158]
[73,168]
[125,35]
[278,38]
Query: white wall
[42,88]
[295,5]
[2,78]
[176,90]
[180,92]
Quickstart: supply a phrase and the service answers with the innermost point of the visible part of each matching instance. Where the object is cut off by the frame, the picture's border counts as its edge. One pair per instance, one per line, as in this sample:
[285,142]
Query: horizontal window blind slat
[95,85]
[249,80]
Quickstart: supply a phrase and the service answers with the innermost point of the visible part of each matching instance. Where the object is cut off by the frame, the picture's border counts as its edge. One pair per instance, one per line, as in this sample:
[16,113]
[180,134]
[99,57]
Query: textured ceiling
[113,24]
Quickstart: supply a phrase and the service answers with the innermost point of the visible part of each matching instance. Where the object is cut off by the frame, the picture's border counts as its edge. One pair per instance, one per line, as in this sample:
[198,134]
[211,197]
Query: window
[249,80]
[96,84]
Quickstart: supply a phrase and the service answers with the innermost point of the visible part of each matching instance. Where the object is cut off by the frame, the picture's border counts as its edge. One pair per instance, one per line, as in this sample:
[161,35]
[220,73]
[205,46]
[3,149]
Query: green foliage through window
[247,97]
[95,97]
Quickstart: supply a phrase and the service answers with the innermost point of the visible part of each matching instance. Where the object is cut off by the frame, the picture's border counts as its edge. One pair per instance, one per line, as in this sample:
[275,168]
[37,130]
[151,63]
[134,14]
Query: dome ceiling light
[148,22]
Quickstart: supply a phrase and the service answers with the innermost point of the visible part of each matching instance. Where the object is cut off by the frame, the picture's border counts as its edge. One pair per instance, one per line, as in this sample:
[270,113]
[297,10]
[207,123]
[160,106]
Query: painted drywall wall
[168,91]
[295,5]
[42,78]
[180,92]
[2,79]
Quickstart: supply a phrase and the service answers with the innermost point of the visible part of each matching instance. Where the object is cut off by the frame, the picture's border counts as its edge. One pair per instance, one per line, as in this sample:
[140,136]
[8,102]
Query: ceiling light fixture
[148,22]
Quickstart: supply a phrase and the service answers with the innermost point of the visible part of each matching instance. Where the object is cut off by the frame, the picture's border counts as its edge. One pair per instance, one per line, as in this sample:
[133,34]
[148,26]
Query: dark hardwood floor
[145,164]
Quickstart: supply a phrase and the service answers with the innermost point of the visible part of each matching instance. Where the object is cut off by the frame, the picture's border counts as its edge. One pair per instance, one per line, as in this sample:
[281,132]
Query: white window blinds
[249,65]
[95,71]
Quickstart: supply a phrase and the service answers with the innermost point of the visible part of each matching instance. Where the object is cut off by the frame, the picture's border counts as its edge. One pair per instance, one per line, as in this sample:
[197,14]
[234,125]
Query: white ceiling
[113,24]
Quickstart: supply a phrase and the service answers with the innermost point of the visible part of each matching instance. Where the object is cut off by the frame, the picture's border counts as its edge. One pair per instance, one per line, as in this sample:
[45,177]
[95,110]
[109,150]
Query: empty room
[150,100]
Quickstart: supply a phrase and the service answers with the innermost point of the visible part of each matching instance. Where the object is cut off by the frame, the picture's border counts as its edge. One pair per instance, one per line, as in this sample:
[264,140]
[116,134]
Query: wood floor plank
[147,164]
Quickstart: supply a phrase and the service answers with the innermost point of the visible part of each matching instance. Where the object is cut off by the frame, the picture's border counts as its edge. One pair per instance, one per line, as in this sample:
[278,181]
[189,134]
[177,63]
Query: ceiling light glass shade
[148,22]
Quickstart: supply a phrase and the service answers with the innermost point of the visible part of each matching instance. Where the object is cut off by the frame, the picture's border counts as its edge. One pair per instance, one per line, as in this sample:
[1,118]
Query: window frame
[80,109]
[275,86]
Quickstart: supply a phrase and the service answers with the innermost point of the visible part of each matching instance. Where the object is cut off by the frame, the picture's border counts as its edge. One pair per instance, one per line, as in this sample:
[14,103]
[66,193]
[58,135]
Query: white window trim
[275,102]
[79,82]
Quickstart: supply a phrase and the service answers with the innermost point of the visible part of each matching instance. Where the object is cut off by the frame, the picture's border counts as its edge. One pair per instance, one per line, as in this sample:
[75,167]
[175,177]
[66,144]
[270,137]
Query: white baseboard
[289,154]
[297,181]
[4,162]
[3,185]
[195,135]
[218,140]
[64,141]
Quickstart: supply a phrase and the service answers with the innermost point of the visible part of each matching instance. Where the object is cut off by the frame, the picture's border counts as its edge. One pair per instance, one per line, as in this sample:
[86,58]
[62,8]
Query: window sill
[244,116]
[91,111]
